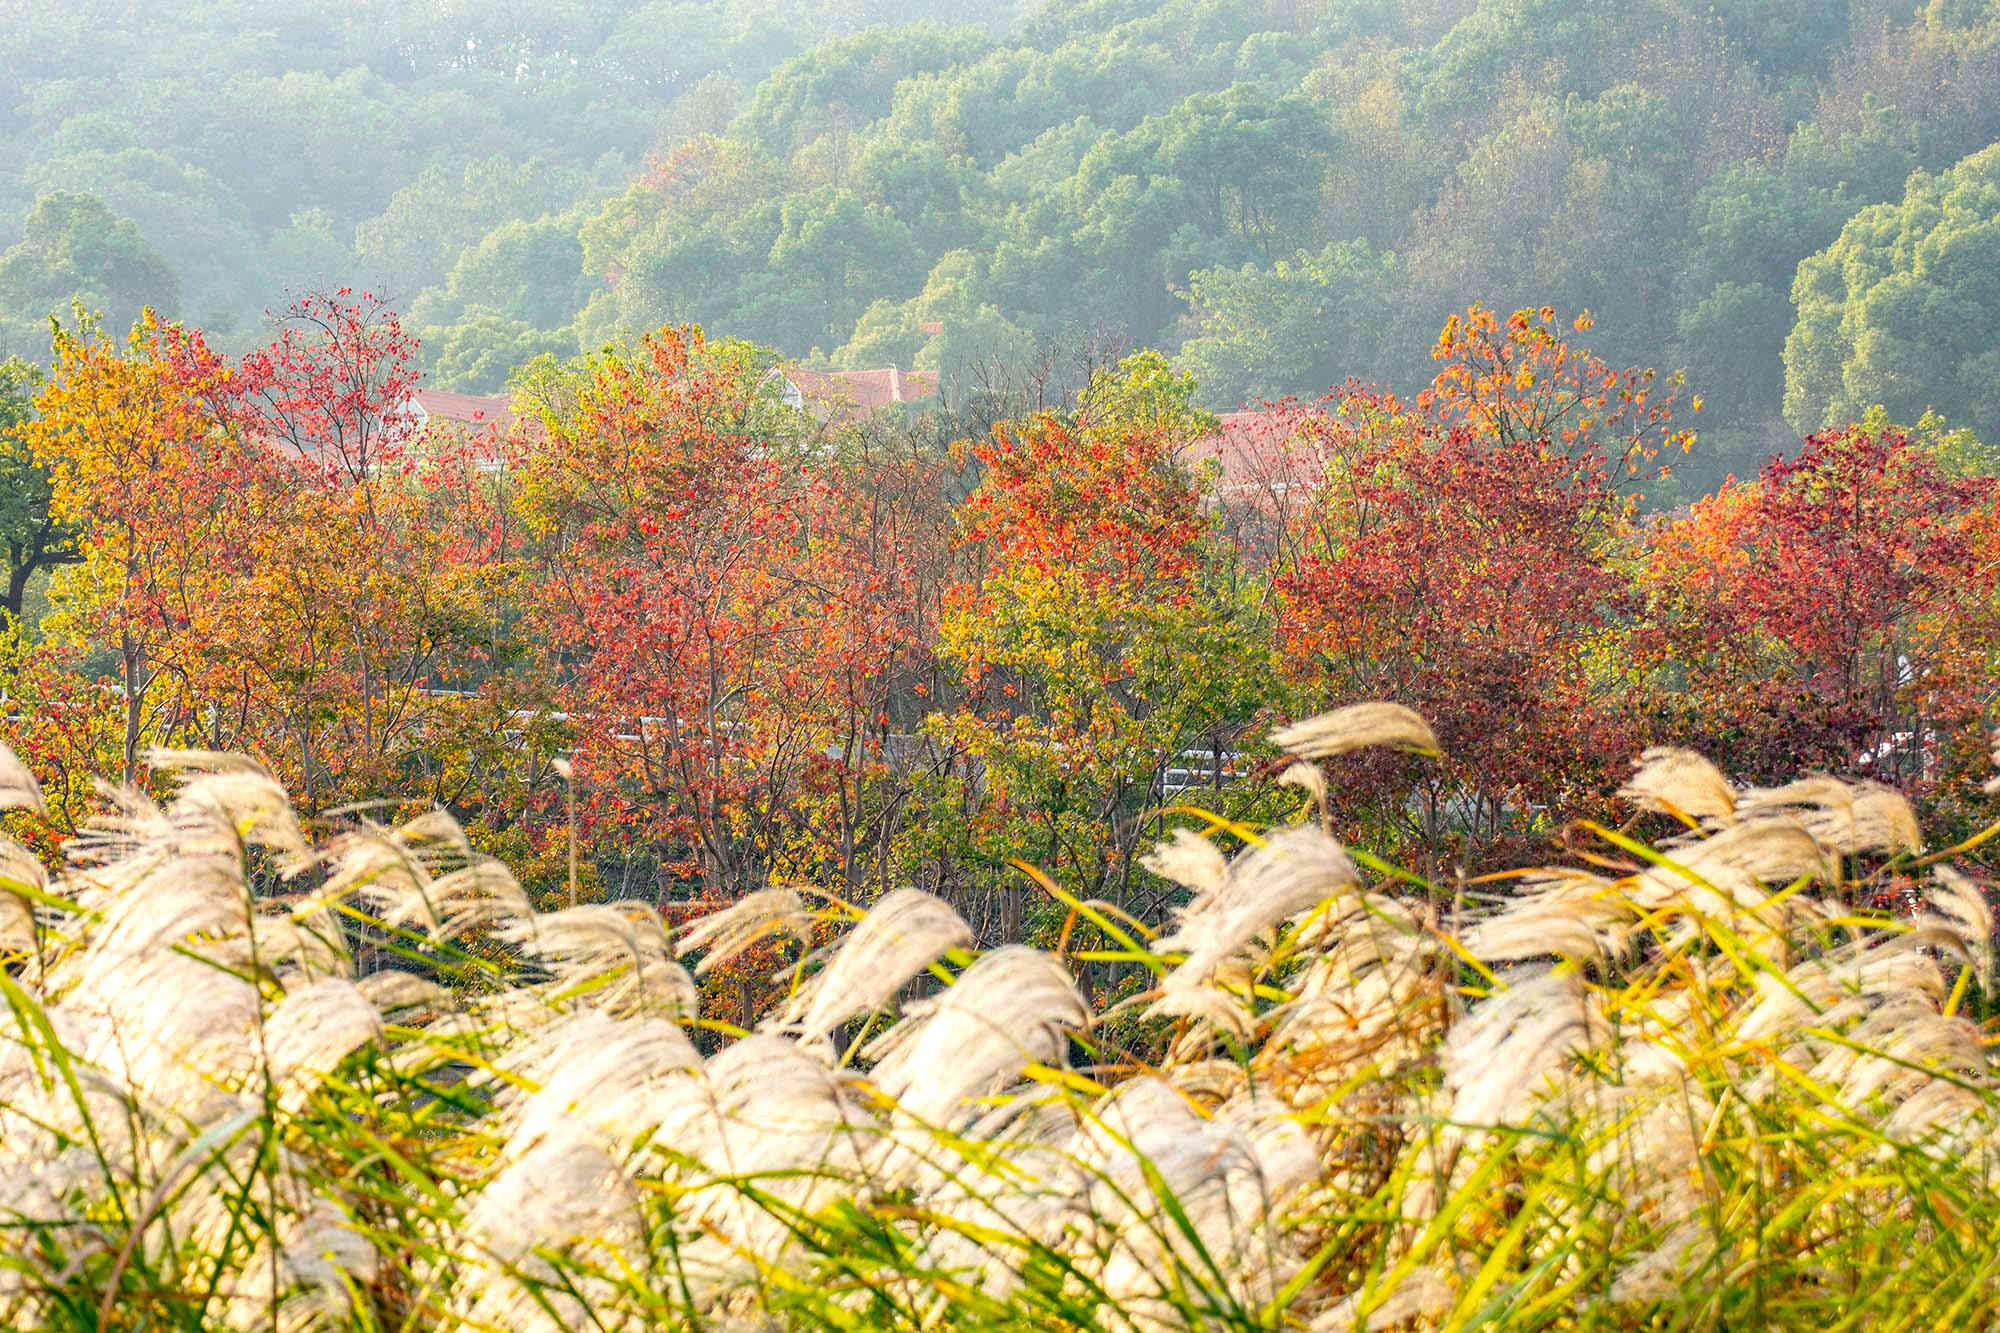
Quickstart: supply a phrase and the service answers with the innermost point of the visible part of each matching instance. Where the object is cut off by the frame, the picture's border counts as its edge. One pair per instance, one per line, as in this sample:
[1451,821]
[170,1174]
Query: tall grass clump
[1693,1083]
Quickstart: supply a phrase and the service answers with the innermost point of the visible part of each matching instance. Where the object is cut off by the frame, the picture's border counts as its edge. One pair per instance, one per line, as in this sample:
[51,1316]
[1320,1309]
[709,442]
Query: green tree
[844,85]
[75,250]
[528,272]
[192,218]
[35,539]
[1300,326]
[482,350]
[413,242]
[1900,309]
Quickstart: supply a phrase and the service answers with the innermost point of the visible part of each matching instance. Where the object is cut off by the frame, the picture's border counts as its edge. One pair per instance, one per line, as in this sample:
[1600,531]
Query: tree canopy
[1281,196]
[1899,310]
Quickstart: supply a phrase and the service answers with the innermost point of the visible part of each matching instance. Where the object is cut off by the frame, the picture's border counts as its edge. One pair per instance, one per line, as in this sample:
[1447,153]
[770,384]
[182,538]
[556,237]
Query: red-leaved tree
[1471,581]
[1835,612]
[732,615]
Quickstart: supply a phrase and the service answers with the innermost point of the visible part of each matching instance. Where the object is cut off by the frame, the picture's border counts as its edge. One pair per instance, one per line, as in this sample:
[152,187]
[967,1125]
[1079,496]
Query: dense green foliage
[1898,310]
[259,152]
[1284,194]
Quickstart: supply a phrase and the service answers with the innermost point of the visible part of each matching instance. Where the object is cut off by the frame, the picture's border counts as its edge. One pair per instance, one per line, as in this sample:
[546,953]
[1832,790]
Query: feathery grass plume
[17,917]
[224,802]
[370,865]
[1372,996]
[309,1282]
[1680,783]
[902,934]
[1185,1206]
[422,875]
[548,1242]
[1309,776]
[1507,1048]
[1959,907]
[783,1139]
[1723,876]
[1356,727]
[1013,1007]
[1847,817]
[312,1029]
[622,1078]
[299,940]
[614,956]
[737,927]
[1290,873]
[176,1032]
[477,895]
[1190,860]
[123,820]
[1571,914]
[404,996]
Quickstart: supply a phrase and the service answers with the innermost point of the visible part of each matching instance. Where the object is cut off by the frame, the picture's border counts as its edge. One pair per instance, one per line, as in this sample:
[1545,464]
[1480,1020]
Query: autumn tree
[1523,385]
[271,569]
[1095,641]
[162,496]
[362,628]
[1438,568]
[1460,553]
[731,613]
[333,388]
[1836,611]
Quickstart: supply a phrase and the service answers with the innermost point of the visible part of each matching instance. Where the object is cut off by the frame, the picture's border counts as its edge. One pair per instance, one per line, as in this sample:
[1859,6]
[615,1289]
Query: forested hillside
[1281,194]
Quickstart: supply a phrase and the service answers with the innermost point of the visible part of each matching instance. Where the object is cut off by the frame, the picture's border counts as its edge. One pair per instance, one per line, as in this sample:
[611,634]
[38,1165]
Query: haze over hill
[1282,194]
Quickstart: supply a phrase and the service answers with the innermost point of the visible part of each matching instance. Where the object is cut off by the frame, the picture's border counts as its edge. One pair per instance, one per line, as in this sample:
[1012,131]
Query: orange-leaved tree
[351,653]
[729,613]
[162,493]
[1523,385]
[264,582]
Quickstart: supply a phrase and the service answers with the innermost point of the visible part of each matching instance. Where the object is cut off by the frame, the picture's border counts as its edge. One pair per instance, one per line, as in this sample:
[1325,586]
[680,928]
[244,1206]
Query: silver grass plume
[621,1078]
[1013,1007]
[1228,1176]
[227,801]
[312,1029]
[1190,860]
[614,956]
[897,938]
[1680,783]
[545,1237]
[1356,727]
[1292,872]
[777,1122]
[737,927]
[1848,818]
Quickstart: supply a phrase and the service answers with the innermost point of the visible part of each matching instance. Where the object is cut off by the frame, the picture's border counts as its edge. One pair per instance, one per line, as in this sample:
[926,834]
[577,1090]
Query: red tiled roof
[467,409]
[841,394]
[1261,449]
